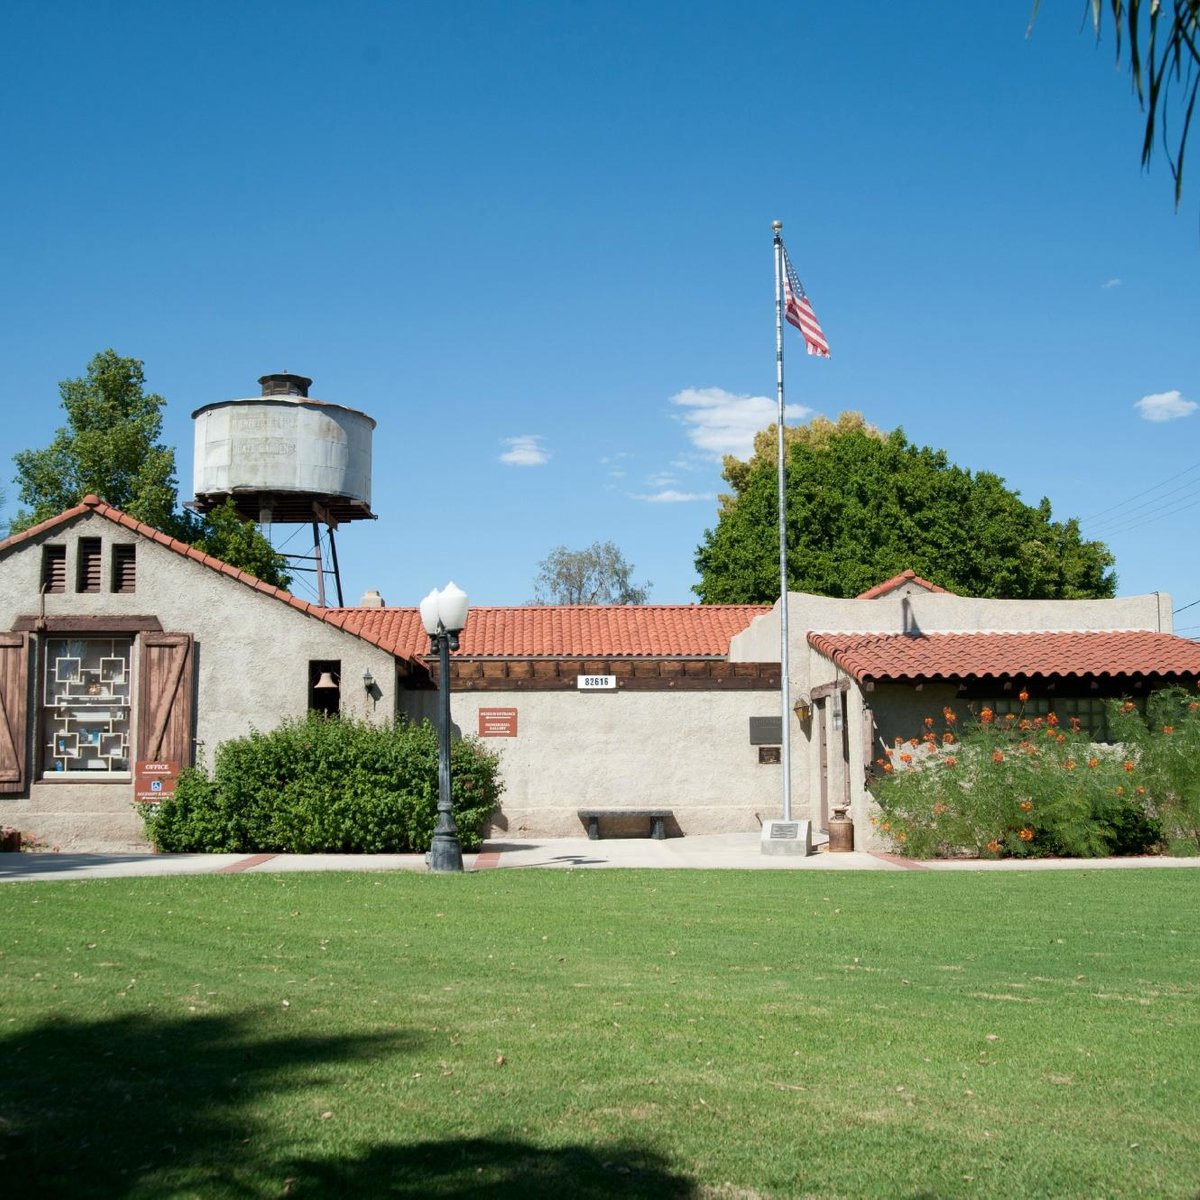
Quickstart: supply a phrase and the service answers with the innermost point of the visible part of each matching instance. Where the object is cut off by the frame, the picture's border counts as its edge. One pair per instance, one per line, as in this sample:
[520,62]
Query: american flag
[799,311]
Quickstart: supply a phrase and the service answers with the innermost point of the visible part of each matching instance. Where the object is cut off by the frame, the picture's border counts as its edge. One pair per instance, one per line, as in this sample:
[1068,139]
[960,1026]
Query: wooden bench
[656,816]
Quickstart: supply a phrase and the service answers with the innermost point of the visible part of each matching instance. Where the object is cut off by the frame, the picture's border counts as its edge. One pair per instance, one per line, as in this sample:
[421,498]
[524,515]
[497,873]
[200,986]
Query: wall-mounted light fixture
[802,709]
[368,680]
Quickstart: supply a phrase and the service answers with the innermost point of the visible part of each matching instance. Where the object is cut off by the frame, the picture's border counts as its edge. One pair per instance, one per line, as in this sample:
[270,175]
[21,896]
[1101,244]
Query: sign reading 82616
[596,683]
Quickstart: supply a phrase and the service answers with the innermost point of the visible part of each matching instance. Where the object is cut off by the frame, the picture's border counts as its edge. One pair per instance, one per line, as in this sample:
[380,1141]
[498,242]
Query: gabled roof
[93,504]
[902,656]
[591,631]
[898,581]
[567,631]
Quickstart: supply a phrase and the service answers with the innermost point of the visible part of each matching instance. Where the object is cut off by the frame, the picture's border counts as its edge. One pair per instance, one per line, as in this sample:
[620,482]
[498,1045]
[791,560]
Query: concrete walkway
[726,851]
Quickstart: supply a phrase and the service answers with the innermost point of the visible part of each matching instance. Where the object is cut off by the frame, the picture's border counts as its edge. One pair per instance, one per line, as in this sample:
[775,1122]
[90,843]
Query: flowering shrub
[1012,786]
[1163,749]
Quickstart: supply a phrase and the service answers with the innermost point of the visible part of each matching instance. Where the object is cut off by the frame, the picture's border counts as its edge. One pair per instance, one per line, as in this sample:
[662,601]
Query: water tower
[287,459]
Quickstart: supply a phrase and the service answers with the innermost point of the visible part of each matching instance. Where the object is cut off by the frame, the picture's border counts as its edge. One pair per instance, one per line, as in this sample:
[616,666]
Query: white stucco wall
[252,654]
[688,751]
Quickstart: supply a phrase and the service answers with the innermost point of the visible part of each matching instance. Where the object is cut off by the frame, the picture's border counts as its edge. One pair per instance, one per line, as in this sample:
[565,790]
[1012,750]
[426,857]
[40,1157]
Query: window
[124,568]
[324,686]
[1090,711]
[85,706]
[54,568]
[87,566]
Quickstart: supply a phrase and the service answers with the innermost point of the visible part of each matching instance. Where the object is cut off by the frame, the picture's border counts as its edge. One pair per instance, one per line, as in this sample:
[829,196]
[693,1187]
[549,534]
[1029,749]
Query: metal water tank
[284,457]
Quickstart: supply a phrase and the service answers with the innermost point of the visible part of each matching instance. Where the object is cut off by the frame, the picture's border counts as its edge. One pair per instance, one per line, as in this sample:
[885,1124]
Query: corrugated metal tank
[278,453]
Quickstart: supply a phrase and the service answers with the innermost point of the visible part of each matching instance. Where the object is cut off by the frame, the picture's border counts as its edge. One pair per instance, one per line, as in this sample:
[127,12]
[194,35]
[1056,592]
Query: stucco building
[125,654]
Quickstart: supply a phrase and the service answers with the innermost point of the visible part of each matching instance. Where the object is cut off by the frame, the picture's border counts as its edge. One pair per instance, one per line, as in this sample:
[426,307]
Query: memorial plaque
[497,722]
[785,829]
[770,755]
[766,731]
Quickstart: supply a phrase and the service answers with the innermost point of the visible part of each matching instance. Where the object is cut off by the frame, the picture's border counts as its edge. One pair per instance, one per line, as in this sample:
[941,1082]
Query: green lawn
[590,1033]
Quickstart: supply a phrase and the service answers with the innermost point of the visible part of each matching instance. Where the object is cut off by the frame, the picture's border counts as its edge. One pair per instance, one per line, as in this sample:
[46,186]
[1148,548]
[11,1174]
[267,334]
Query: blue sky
[533,241]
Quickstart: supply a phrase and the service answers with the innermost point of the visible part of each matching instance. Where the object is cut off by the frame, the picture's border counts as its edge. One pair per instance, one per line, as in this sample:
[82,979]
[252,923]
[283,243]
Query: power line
[1139,495]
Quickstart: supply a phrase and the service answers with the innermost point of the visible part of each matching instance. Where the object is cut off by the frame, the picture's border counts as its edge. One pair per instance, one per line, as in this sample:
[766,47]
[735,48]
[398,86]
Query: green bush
[327,785]
[1012,787]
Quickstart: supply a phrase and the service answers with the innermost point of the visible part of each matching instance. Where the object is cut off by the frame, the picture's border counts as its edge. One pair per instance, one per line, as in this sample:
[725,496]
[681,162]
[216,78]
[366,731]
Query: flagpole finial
[777,225]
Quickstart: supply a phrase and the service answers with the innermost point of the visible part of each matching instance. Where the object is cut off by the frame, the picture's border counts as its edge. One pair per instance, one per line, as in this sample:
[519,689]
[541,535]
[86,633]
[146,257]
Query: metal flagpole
[784,673]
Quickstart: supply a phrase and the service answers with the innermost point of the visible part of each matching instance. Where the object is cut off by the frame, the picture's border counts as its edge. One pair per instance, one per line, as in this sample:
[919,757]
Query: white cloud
[670,496]
[1110,283]
[524,451]
[720,422]
[1165,406]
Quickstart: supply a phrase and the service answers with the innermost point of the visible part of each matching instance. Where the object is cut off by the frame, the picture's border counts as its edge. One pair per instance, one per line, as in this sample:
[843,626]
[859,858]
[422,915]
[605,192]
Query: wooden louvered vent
[124,568]
[54,568]
[88,567]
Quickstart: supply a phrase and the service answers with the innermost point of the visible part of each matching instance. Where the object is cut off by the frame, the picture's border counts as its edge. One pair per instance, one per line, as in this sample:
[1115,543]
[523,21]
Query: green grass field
[592,1033]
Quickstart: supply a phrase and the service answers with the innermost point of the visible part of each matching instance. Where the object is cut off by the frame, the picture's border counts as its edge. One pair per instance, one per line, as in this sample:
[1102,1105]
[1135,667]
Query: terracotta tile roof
[994,655]
[567,631]
[650,631]
[890,585]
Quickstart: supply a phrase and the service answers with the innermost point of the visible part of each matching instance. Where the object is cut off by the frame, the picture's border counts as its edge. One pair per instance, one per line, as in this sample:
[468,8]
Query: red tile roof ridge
[907,576]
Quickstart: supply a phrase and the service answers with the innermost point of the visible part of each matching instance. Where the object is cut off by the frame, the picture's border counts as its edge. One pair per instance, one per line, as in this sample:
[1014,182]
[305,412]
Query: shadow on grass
[491,1168]
[153,1106]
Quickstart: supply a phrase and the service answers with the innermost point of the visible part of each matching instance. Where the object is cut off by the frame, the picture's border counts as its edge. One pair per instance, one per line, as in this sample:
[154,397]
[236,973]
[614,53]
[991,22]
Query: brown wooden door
[165,698]
[14,711]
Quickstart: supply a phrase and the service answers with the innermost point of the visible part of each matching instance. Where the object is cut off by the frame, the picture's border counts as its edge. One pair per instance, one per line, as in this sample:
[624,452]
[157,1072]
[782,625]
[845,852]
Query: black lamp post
[444,615]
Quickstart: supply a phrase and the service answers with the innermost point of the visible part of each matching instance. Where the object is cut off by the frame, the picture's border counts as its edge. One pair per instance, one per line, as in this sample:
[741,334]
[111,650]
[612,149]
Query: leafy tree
[110,447]
[1163,39]
[864,506]
[597,575]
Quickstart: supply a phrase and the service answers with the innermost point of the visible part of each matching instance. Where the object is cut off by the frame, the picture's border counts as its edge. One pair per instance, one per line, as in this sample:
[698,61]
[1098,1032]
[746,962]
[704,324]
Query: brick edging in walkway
[244,864]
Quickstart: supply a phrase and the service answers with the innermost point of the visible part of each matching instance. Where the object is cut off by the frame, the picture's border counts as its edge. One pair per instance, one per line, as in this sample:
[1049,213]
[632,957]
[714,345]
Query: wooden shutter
[868,741]
[124,568]
[88,565]
[54,568]
[14,710]
[165,698]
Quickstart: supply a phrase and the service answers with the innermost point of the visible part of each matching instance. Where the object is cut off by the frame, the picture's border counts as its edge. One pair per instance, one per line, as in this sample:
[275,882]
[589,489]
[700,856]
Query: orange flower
[881,762]
[950,715]
[1141,791]
[997,756]
[1022,695]
[1010,717]
[1069,764]
[1026,806]
[1093,763]
[1031,750]
[1024,725]
[1026,834]
[1120,790]
[886,825]
[899,741]
[902,836]
[948,738]
[888,768]
[1129,764]
[951,761]
[928,722]
[1075,725]
[1168,729]
[938,809]
[1051,719]
[906,758]
[1062,737]
[913,742]
[994,846]
[1128,706]
[987,716]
